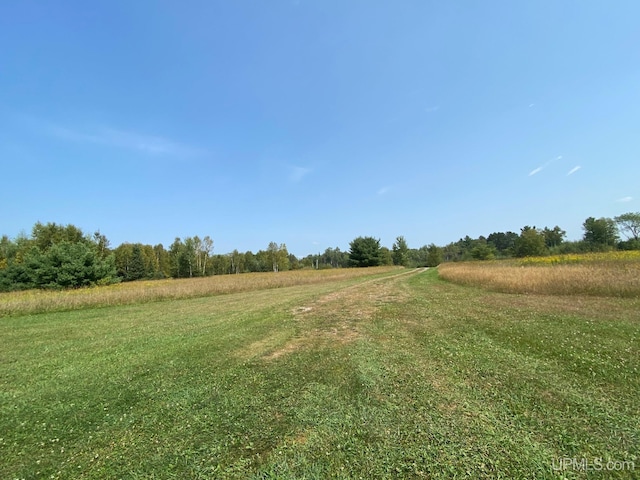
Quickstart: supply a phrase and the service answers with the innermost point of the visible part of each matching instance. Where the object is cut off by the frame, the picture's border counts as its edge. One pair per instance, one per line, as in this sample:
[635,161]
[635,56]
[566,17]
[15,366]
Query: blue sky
[313,122]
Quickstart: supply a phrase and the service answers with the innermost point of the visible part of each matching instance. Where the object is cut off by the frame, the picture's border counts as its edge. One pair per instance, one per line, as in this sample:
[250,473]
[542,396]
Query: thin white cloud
[435,108]
[624,199]
[545,165]
[298,173]
[110,137]
[531,105]
[574,170]
[384,190]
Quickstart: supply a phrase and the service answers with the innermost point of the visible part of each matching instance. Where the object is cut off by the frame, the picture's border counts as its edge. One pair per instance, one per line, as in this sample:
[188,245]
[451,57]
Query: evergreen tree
[400,252]
[137,268]
[364,252]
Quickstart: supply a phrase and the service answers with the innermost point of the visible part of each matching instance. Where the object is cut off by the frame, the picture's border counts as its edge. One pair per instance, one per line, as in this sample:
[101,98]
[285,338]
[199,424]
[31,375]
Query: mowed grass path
[393,376]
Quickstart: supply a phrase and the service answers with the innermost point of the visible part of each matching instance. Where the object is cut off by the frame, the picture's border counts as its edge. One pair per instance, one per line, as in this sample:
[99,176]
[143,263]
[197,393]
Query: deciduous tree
[629,224]
[530,243]
[601,233]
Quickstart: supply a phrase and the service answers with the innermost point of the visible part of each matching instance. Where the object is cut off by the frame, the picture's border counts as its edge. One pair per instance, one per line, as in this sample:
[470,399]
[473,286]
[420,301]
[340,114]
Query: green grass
[395,376]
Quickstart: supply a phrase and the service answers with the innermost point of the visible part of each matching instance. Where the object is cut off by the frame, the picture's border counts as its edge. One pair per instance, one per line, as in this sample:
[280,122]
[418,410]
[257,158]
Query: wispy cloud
[128,140]
[532,105]
[298,173]
[384,190]
[574,170]
[543,166]
[624,199]
[435,108]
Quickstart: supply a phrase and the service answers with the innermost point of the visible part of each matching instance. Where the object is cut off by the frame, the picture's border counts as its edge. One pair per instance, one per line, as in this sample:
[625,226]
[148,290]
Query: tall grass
[615,274]
[38,301]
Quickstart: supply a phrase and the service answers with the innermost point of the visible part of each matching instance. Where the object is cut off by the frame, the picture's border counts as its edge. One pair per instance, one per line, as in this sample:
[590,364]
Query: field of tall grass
[612,274]
[38,301]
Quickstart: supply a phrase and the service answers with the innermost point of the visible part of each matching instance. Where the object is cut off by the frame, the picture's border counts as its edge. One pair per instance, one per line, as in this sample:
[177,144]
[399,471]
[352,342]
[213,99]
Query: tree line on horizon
[62,256]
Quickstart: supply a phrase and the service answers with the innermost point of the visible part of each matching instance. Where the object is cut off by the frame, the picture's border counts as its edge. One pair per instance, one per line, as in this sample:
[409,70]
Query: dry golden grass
[610,276]
[36,301]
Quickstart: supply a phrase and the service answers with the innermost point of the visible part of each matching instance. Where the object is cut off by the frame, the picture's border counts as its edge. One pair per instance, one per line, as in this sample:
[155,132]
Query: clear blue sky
[313,122]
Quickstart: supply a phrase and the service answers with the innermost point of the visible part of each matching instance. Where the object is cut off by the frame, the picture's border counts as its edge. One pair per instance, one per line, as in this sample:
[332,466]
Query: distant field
[615,274]
[37,301]
[394,374]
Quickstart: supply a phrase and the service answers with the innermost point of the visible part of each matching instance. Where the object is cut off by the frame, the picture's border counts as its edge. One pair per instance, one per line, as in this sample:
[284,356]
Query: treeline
[62,256]
[193,257]
[599,235]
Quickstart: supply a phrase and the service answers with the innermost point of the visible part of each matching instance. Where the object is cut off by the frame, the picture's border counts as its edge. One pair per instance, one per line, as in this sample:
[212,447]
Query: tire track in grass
[337,317]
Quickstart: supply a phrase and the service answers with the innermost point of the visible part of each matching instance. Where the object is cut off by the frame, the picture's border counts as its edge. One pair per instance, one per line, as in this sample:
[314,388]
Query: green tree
[553,237]
[237,262]
[250,262]
[45,236]
[177,259]
[206,250]
[55,256]
[601,233]
[220,264]
[629,225]
[264,261]
[294,262]
[8,250]
[400,252]
[364,252]
[123,255]
[483,251]
[530,243]
[102,244]
[272,254]
[69,265]
[283,258]
[164,261]
[202,249]
[452,252]
[136,270]
[503,242]
[435,255]
[386,257]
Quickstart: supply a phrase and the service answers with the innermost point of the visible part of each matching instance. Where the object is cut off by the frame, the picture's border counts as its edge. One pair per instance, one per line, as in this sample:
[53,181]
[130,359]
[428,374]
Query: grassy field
[615,274]
[38,301]
[394,375]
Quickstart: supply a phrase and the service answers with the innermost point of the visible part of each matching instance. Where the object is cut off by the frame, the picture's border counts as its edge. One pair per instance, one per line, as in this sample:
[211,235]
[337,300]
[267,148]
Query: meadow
[615,274]
[37,300]
[380,374]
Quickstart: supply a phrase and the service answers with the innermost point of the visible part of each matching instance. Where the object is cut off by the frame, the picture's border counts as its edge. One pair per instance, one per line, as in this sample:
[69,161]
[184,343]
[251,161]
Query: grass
[614,274]
[38,301]
[396,375]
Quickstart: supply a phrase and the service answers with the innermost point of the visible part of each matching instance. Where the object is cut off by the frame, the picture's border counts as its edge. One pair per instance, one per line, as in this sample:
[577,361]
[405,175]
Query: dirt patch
[338,317]
[290,347]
